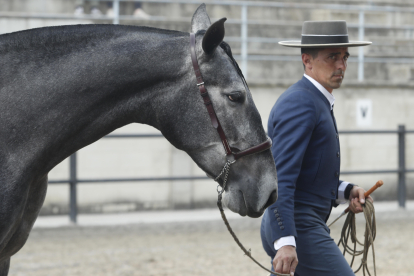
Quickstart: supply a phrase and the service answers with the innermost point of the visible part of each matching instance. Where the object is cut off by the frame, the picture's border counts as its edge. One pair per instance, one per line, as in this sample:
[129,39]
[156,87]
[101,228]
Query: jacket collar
[322,89]
[312,87]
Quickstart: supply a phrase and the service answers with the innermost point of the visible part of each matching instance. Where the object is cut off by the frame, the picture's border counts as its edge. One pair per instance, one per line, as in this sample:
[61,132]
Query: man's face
[328,68]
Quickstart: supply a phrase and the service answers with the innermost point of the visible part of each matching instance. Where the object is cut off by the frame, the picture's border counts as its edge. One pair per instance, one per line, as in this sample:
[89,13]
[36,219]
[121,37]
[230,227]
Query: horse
[63,88]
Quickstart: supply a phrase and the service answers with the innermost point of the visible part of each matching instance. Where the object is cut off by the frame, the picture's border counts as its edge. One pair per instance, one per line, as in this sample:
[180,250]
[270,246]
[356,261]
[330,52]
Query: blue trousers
[318,254]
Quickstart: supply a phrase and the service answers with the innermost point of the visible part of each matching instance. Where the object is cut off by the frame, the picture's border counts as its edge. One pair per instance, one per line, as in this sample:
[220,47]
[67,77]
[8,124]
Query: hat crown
[330,28]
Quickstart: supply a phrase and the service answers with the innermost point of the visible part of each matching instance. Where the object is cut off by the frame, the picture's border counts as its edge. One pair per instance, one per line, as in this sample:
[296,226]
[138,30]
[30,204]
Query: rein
[349,231]
[231,157]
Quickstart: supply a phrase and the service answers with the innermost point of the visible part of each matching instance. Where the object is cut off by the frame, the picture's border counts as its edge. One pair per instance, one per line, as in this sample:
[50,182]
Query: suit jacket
[305,149]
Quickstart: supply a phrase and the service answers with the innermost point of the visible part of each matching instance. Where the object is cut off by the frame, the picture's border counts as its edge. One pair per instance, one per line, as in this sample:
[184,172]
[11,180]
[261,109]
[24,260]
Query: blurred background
[136,169]
[376,96]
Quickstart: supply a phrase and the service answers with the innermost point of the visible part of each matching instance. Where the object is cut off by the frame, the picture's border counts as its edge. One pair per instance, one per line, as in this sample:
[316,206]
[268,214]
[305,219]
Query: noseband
[230,155]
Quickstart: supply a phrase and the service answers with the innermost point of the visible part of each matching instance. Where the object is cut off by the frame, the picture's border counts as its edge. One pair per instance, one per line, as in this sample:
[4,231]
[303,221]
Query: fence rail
[401,170]
[244,56]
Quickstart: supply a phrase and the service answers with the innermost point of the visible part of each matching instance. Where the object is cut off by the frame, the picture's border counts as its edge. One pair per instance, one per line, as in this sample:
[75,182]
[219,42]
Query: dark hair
[310,51]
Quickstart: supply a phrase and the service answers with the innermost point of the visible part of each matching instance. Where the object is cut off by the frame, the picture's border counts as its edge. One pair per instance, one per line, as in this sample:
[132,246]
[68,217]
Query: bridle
[231,157]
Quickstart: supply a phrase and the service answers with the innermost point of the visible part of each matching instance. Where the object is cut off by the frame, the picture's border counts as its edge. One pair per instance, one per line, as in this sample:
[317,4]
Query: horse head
[252,181]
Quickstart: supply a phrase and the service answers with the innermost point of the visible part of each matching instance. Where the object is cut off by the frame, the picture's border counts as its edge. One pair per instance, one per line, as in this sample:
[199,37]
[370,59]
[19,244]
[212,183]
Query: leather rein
[231,156]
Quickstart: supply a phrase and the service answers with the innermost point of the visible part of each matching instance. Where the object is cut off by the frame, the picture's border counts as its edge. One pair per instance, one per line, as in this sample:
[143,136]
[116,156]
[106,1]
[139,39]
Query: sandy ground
[186,248]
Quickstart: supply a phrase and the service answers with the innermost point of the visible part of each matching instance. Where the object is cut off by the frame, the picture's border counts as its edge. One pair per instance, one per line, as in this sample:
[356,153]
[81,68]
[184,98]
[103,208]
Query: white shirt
[290,240]
[323,90]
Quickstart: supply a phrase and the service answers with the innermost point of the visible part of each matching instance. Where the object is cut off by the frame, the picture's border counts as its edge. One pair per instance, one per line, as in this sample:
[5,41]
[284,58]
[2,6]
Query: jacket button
[279,219]
[280,223]
[337,154]
[333,192]
[282,227]
[337,136]
[336,174]
[277,215]
[275,211]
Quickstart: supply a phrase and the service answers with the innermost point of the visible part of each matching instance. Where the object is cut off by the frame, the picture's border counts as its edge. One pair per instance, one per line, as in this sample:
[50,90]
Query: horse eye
[236,97]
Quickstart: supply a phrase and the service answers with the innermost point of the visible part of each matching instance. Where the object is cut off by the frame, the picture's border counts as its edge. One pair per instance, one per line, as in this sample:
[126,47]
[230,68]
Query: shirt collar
[329,96]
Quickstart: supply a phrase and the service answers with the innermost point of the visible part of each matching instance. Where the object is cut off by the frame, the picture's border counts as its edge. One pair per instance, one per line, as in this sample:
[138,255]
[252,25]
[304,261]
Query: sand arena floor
[186,248]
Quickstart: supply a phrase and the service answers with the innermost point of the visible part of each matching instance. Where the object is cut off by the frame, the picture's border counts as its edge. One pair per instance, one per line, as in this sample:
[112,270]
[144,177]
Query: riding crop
[349,229]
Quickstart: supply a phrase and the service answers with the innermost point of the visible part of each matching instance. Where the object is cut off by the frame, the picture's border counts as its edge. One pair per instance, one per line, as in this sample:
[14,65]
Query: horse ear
[200,20]
[214,36]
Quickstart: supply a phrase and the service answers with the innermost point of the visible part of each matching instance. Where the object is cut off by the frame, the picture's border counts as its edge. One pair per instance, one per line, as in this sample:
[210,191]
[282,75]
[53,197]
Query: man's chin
[336,84]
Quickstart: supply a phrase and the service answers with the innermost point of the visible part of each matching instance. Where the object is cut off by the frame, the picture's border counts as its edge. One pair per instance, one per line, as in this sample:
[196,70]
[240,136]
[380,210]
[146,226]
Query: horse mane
[227,50]
[49,37]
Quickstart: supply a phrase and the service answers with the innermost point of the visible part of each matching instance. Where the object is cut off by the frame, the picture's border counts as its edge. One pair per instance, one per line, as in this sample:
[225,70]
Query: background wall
[382,101]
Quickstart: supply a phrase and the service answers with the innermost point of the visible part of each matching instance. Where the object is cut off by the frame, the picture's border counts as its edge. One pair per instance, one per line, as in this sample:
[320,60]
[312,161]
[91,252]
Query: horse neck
[81,95]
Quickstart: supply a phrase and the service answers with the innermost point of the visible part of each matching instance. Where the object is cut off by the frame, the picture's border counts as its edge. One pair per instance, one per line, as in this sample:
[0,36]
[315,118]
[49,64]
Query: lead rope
[248,253]
[349,230]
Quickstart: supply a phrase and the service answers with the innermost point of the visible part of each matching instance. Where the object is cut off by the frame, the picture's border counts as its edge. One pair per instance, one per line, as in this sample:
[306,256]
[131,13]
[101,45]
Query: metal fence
[244,22]
[401,170]
[244,57]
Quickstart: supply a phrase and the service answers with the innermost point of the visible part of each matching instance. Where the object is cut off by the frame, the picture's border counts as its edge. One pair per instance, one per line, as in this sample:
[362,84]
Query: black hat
[323,34]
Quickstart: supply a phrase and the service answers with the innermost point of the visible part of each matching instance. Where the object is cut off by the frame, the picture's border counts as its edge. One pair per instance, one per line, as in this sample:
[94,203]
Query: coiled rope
[349,233]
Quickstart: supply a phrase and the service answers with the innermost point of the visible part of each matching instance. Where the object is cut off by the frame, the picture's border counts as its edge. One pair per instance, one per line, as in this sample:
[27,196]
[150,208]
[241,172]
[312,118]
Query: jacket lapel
[319,94]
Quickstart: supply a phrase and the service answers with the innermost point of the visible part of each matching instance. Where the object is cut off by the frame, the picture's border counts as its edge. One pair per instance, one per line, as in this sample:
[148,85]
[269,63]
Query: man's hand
[286,260]
[356,199]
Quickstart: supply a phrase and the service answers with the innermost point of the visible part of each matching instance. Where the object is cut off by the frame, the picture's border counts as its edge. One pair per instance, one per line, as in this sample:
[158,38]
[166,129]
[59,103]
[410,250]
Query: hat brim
[298,44]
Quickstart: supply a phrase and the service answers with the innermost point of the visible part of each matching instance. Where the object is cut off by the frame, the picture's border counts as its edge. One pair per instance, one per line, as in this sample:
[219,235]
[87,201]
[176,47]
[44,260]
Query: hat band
[324,39]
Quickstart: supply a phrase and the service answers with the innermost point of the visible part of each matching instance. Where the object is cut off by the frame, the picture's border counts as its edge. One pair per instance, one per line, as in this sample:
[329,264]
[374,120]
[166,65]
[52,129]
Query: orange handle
[373,188]
[370,191]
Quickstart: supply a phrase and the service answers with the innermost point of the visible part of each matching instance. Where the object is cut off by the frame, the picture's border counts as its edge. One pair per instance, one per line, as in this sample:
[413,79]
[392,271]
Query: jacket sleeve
[290,127]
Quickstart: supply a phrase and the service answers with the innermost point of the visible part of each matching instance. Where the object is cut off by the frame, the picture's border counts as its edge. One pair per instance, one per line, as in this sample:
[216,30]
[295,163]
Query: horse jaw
[249,194]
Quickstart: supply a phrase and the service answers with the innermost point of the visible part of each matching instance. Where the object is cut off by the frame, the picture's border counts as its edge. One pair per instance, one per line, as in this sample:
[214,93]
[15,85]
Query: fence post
[73,183]
[244,40]
[401,166]
[115,6]
[361,34]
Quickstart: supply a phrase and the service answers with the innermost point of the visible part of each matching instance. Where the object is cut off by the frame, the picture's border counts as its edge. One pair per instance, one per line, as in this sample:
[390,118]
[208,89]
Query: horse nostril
[271,200]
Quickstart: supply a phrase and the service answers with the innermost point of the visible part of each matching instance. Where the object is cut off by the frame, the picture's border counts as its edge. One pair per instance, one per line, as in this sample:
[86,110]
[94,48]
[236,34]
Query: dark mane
[227,50]
[82,35]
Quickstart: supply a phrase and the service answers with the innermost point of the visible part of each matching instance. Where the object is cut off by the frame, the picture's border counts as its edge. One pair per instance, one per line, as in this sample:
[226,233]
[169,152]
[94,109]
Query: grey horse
[63,88]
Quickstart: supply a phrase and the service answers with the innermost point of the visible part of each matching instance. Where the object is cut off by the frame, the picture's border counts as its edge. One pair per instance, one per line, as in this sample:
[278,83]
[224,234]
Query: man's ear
[307,61]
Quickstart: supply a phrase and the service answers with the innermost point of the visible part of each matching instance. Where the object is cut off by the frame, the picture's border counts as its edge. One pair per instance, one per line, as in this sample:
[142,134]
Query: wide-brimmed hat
[323,34]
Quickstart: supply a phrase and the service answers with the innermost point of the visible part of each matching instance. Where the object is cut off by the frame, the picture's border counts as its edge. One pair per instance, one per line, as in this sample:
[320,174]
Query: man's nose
[341,64]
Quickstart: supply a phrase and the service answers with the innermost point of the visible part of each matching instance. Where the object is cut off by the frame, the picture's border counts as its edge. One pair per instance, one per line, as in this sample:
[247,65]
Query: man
[79,10]
[307,156]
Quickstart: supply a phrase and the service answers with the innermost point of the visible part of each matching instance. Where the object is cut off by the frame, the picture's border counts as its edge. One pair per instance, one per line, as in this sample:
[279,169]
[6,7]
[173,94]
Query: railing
[244,56]
[401,170]
[244,22]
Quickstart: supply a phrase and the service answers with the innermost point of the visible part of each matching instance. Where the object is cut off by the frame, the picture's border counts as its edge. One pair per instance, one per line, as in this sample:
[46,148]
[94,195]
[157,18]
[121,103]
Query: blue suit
[307,156]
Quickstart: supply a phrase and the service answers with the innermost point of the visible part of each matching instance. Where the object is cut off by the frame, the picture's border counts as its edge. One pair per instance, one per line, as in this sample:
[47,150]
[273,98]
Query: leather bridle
[230,155]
